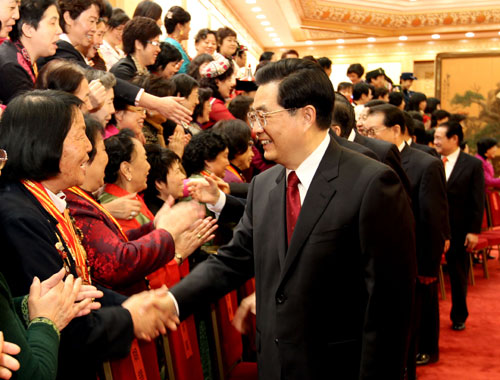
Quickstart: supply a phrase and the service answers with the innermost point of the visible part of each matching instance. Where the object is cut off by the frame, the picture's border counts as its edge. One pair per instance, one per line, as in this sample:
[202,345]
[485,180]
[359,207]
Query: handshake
[152,313]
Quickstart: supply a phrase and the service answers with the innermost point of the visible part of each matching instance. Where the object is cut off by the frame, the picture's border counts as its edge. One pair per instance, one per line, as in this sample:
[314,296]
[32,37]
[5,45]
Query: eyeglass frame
[155,43]
[3,158]
[264,115]
[372,132]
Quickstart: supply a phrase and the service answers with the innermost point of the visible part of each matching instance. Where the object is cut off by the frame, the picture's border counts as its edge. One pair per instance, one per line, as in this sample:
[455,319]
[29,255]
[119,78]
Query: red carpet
[472,354]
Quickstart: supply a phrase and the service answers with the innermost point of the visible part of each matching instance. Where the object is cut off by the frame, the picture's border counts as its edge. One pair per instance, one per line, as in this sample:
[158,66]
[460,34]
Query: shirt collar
[306,170]
[401,146]
[64,37]
[453,157]
[409,141]
[59,199]
[352,135]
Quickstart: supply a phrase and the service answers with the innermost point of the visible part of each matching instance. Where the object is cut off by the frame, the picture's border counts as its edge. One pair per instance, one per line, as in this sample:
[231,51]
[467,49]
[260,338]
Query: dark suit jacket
[426,149]
[388,154]
[123,89]
[465,189]
[353,146]
[430,207]
[337,302]
[125,68]
[28,235]
[232,210]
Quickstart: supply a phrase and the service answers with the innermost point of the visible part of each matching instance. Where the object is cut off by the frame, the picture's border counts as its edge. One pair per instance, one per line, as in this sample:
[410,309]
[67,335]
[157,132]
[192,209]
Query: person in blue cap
[406,80]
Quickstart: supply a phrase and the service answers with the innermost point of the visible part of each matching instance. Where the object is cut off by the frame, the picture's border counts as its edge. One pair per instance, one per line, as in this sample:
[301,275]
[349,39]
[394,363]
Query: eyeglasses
[370,132]
[260,117]
[139,110]
[155,43]
[3,158]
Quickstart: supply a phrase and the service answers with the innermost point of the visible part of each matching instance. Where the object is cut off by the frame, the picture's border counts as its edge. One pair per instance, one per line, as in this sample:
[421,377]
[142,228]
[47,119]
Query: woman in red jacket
[219,76]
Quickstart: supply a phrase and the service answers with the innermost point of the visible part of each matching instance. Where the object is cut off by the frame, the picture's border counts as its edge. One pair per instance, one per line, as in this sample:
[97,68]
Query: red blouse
[116,263]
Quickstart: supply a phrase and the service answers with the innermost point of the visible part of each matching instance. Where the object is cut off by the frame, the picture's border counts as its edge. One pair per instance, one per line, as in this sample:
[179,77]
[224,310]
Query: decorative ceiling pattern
[296,23]
[314,10]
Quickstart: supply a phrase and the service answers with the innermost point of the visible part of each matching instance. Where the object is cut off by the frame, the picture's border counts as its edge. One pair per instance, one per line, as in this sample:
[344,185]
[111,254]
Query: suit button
[280,298]
[276,341]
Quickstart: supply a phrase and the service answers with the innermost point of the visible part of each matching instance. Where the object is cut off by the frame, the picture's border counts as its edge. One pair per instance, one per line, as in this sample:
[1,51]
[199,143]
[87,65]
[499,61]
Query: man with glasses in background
[328,235]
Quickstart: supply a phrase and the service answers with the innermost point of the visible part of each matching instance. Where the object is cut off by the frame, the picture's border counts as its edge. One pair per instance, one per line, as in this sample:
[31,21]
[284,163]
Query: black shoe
[423,359]
[458,326]
[491,257]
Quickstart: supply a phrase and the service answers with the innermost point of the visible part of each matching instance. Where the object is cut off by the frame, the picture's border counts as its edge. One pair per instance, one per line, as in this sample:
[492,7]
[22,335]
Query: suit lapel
[276,216]
[405,155]
[319,194]
[457,169]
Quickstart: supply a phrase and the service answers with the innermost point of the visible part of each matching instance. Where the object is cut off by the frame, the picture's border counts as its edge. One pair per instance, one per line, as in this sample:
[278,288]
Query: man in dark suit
[343,122]
[328,234]
[465,188]
[430,208]
[387,153]
[409,135]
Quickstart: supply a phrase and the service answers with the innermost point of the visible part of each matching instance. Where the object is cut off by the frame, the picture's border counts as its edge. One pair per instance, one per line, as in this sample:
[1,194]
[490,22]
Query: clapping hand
[198,234]
[55,299]
[7,362]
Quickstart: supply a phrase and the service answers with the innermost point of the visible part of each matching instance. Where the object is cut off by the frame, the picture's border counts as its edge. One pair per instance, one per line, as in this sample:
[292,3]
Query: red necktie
[292,204]
[444,159]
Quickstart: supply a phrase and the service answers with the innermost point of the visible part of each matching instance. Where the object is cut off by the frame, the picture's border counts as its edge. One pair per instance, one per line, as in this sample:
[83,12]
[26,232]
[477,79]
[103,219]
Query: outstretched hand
[246,311]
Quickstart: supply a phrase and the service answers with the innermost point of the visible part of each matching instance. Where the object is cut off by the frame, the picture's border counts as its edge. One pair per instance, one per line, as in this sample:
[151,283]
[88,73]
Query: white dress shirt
[307,169]
[59,200]
[450,164]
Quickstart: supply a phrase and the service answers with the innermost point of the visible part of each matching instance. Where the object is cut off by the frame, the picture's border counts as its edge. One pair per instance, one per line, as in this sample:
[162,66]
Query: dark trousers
[425,331]
[427,325]
[458,269]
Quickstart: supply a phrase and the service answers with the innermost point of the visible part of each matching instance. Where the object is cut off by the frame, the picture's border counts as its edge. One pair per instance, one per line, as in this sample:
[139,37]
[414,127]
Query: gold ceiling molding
[328,35]
[315,11]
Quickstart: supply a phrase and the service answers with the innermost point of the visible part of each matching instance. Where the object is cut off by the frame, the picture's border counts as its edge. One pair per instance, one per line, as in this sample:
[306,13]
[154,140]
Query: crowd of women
[105,130]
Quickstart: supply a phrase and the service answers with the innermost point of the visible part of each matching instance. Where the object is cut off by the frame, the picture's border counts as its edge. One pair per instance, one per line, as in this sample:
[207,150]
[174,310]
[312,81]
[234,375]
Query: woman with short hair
[141,44]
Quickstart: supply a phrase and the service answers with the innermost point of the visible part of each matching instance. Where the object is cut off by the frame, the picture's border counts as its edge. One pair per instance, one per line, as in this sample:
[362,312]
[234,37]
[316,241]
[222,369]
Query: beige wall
[396,58]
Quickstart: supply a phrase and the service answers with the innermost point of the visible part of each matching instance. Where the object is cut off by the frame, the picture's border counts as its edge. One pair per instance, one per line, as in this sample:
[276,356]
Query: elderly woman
[122,259]
[125,174]
[219,76]
[40,237]
[206,153]
[47,313]
[119,259]
[240,153]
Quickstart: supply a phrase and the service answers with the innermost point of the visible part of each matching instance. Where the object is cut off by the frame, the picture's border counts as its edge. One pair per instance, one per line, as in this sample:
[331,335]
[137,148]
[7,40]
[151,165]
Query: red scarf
[65,227]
